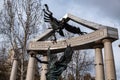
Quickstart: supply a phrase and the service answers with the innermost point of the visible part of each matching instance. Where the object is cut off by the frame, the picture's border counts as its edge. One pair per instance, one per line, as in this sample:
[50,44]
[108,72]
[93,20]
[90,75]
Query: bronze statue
[56,67]
[57,25]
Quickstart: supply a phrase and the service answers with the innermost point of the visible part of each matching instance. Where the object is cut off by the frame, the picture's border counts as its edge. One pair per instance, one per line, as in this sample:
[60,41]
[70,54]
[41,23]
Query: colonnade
[104,69]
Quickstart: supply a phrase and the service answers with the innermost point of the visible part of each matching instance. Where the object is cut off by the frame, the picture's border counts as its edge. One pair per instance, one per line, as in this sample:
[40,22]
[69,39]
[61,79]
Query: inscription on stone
[75,41]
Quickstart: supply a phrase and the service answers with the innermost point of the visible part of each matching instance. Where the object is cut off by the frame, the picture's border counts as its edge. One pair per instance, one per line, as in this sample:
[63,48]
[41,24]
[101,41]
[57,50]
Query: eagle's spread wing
[72,29]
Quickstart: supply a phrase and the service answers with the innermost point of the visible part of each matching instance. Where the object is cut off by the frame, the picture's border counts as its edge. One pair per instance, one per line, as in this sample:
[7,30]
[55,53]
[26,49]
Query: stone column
[31,68]
[13,74]
[99,67]
[109,60]
[44,69]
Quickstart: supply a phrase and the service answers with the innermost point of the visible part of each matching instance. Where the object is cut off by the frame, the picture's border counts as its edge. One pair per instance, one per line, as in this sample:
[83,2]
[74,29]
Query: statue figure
[56,67]
[57,25]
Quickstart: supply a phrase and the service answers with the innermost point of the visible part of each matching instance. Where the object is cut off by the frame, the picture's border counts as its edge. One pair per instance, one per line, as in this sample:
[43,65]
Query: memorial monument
[101,37]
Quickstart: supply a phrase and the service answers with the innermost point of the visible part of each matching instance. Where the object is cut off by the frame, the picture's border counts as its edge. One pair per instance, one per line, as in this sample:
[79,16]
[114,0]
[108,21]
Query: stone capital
[15,58]
[33,53]
[107,40]
[98,46]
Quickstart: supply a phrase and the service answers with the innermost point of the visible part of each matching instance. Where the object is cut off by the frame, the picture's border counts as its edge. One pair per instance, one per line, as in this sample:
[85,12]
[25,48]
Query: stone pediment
[86,41]
[88,24]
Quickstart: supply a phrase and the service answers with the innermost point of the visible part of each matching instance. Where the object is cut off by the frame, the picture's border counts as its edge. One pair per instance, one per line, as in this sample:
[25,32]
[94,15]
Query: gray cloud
[110,8]
[89,8]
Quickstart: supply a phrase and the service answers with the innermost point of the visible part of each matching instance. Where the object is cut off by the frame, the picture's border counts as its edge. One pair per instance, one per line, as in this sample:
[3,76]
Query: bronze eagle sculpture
[58,25]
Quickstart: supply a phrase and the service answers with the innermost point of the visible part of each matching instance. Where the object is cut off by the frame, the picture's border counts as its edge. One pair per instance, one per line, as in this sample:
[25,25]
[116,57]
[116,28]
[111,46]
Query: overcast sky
[105,12]
[1,3]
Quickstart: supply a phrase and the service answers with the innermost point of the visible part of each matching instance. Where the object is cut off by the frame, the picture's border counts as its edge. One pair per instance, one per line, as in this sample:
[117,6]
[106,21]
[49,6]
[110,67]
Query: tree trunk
[22,68]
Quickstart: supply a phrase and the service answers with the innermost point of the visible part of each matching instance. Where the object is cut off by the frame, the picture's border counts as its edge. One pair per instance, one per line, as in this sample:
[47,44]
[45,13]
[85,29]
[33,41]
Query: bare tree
[20,20]
[4,71]
[82,62]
